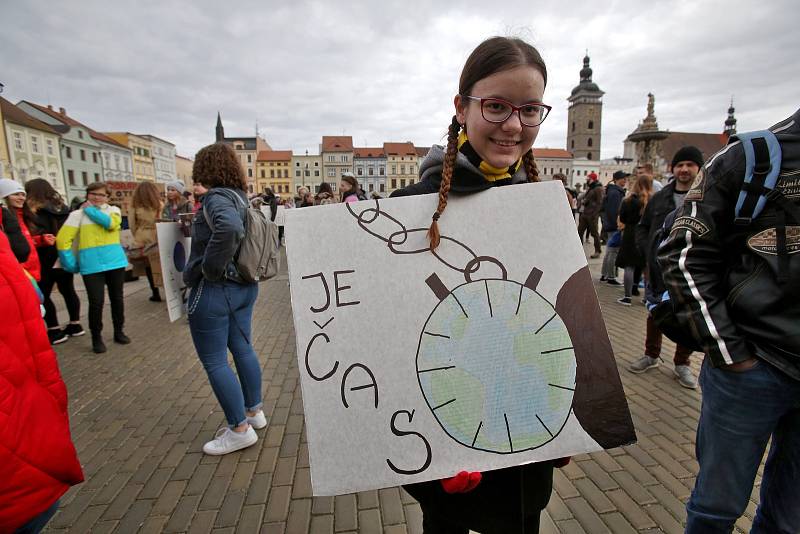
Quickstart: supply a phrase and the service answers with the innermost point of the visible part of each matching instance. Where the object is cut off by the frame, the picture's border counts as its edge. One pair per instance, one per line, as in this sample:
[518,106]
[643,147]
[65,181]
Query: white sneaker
[227,441]
[258,421]
[685,376]
[643,364]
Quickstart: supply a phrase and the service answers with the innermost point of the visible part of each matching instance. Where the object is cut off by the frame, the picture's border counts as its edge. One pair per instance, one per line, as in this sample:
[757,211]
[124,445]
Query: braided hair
[491,56]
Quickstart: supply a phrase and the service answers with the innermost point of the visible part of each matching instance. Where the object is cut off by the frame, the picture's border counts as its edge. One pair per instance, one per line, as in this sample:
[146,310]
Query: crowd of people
[731,282]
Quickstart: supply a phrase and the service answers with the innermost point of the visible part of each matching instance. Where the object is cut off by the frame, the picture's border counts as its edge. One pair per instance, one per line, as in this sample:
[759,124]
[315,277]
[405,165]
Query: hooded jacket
[38,462]
[97,229]
[611,205]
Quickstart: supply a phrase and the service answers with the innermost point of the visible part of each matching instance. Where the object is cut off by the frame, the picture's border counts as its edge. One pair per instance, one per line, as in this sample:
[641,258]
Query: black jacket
[659,206]
[723,277]
[629,215]
[611,205]
[19,245]
[48,220]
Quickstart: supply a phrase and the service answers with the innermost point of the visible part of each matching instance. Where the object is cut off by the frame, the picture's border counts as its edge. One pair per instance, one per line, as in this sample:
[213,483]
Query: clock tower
[585,116]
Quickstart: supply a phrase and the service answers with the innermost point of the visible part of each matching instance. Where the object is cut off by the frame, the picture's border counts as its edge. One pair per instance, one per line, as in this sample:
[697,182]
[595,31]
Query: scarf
[492,174]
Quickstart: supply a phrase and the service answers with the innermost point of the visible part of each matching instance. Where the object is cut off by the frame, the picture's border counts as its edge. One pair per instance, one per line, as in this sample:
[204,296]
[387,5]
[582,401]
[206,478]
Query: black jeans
[66,286]
[95,284]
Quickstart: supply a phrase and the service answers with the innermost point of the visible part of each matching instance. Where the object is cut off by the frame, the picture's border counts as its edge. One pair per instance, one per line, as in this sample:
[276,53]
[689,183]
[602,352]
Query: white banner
[487,353]
[173,249]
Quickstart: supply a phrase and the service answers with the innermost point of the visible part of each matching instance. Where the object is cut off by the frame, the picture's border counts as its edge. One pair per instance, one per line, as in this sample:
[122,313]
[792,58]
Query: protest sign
[280,215]
[173,251]
[486,353]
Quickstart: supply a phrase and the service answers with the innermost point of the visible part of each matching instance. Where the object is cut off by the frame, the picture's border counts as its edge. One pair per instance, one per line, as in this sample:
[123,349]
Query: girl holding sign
[498,111]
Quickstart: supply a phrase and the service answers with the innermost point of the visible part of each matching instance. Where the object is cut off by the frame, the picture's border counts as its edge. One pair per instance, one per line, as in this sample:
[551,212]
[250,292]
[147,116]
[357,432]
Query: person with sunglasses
[498,111]
[101,259]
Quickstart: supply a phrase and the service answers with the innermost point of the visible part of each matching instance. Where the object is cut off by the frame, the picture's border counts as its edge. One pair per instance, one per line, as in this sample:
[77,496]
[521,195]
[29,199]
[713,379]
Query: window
[71,177]
[96,177]
[18,140]
[296,173]
[383,188]
[411,169]
[272,173]
[94,157]
[83,155]
[146,153]
[285,173]
[80,134]
[360,171]
[296,163]
[402,169]
[316,173]
[331,173]
[331,158]
[394,169]
[411,181]
[381,170]
[68,151]
[589,143]
[345,159]
[249,158]
[403,182]
[308,173]
[589,155]
[316,164]
[35,144]
[263,173]
[591,125]
[572,144]
[50,150]
[85,178]
[370,171]
[573,126]
[394,183]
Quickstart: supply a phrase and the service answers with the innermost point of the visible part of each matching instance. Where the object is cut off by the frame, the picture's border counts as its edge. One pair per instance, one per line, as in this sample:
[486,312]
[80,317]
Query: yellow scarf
[491,172]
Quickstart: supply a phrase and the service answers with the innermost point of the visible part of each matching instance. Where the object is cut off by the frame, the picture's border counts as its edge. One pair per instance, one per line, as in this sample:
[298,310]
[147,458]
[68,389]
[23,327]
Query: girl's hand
[50,239]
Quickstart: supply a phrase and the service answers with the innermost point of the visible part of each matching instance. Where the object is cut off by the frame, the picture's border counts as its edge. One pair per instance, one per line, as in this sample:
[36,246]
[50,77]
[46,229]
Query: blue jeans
[35,525]
[740,412]
[220,314]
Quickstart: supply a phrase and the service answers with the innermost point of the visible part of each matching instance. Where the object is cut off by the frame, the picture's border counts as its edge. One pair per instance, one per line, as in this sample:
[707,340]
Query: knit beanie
[9,187]
[688,153]
[177,185]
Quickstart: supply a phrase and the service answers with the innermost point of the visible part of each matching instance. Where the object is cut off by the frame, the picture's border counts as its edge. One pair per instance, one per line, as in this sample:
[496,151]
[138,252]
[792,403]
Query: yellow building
[273,170]
[183,168]
[401,165]
[143,168]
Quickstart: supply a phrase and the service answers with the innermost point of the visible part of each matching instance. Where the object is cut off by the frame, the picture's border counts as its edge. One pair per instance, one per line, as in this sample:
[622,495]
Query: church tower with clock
[585,116]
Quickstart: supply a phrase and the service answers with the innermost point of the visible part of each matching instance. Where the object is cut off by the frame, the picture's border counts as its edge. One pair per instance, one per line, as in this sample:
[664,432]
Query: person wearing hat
[686,164]
[592,204]
[176,204]
[615,192]
[13,196]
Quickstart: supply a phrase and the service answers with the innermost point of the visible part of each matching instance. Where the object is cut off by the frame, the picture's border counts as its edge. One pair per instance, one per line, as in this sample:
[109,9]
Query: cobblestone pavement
[140,414]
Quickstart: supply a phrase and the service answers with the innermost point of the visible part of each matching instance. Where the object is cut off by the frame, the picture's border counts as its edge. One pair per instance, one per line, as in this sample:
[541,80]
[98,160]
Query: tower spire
[220,129]
[730,122]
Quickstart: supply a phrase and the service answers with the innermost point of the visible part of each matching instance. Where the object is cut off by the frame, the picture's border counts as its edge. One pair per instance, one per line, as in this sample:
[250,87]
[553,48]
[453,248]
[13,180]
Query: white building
[163,154]
[551,161]
[306,171]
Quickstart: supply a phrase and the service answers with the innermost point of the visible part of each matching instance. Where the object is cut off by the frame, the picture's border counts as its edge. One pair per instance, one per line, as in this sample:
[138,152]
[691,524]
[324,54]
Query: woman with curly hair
[221,302]
[145,209]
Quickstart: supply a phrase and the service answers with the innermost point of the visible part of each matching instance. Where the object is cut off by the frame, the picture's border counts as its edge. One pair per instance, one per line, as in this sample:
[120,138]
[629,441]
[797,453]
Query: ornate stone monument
[647,137]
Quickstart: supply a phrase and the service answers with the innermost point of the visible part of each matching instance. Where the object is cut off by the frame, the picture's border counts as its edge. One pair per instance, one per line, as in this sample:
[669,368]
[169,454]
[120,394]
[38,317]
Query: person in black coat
[630,257]
[19,245]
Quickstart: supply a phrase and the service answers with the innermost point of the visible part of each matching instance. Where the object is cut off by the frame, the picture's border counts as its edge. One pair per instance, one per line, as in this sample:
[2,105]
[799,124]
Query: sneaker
[643,364]
[685,376]
[74,330]
[625,301]
[603,278]
[258,421]
[613,282]
[56,336]
[227,441]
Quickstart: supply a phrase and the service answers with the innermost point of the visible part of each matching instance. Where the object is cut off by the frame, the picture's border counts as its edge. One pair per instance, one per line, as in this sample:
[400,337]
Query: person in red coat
[38,462]
[13,194]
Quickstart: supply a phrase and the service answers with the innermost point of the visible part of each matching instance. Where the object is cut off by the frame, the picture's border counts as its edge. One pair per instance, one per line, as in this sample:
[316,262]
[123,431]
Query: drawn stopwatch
[496,364]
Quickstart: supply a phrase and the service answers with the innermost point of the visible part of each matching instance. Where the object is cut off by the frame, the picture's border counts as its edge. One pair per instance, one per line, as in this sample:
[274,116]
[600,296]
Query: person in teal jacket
[101,259]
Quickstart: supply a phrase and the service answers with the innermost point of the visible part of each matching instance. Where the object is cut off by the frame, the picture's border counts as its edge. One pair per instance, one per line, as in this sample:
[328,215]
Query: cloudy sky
[387,70]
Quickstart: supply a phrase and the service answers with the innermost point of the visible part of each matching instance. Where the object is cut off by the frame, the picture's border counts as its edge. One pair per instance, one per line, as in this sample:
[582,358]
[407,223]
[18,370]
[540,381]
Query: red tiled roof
[376,152]
[274,155]
[551,153]
[66,119]
[13,114]
[337,143]
[708,143]
[399,149]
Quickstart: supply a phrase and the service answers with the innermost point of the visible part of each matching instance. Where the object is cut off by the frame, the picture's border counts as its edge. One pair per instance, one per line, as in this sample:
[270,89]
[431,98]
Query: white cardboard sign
[173,248]
[490,352]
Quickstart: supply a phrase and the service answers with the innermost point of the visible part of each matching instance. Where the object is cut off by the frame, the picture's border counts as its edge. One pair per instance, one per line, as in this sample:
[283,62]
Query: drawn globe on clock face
[495,364]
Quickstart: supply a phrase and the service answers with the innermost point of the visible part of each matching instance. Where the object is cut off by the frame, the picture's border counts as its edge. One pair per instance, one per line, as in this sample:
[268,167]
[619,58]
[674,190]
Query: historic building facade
[306,171]
[370,169]
[273,170]
[337,158]
[584,117]
[246,148]
[401,165]
[163,153]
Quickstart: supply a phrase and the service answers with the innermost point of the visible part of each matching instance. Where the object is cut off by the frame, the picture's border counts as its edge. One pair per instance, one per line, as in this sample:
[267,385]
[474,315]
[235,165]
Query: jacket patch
[789,185]
[766,241]
[696,192]
[696,226]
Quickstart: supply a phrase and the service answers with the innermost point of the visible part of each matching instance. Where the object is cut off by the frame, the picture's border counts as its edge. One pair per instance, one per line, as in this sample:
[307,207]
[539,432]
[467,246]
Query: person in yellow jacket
[101,259]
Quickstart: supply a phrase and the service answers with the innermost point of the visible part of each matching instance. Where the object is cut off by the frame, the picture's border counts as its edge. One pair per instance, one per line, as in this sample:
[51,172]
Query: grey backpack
[256,259]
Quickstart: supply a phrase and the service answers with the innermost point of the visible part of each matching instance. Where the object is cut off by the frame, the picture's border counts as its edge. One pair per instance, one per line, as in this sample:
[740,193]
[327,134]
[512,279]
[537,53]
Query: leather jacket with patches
[722,277]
